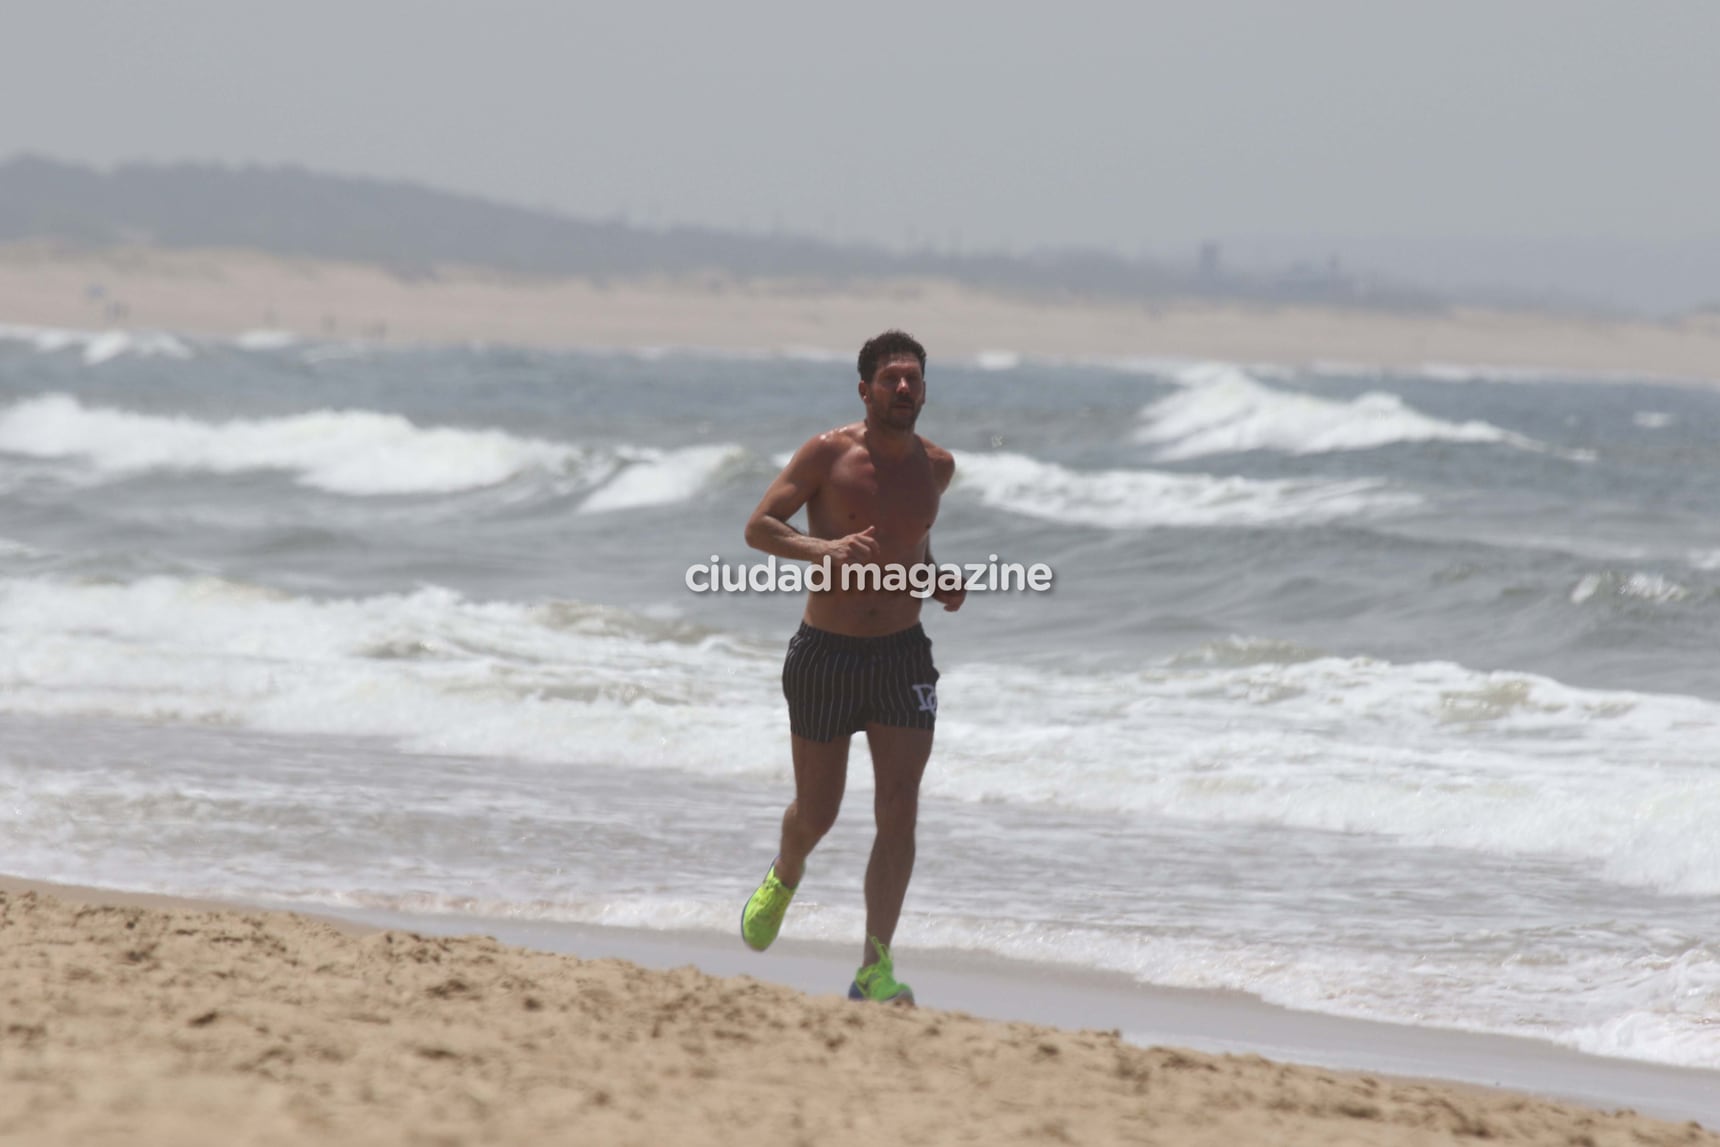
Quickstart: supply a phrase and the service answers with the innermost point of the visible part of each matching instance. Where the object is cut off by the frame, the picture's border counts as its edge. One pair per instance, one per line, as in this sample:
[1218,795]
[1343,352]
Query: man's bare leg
[899,759]
[820,776]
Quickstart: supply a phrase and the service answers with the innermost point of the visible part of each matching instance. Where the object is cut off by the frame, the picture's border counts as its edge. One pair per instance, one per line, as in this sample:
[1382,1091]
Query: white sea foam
[346,452]
[44,339]
[1166,367]
[1247,733]
[1639,586]
[1659,1012]
[997,360]
[1470,373]
[660,478]
[352,452]
[439,673]
[1663,1011]
[1486,372]
[265,339]
[1132,499]
[99,346]
[800,352]
[149,344]
[1429,753]
[1704,559]
[338,352]
[1222,410]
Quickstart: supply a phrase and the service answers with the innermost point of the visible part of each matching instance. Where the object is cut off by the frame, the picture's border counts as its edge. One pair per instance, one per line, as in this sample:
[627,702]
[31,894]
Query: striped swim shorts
[837,685]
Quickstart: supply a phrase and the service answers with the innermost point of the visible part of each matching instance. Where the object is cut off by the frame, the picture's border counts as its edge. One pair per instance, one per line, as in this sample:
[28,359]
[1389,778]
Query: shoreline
[226,293]
[1215,1021]
[1007,997]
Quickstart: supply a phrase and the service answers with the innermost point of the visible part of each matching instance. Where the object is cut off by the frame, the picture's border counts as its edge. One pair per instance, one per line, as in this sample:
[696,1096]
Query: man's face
[897,391]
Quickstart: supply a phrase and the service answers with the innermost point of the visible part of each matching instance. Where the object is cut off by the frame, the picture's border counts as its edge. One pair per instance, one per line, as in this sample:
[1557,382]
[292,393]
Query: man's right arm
[769,530]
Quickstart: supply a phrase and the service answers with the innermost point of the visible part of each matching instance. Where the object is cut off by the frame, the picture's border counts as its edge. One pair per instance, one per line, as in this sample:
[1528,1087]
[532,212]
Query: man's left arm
[943,471]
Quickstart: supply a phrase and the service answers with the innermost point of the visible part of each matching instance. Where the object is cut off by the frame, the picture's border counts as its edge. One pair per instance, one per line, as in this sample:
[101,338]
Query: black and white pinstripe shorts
[837,685]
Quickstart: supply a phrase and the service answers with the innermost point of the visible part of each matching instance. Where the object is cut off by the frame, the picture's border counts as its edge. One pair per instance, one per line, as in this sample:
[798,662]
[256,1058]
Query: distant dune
[226,293]
[207,250]
[409,230]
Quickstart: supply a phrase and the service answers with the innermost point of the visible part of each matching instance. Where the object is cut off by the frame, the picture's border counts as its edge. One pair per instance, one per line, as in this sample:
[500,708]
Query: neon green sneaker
[761,919]
[878,983]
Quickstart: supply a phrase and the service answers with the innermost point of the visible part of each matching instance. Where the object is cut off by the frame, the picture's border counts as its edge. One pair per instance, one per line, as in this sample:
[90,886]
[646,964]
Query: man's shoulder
[943,462]
[819,454]
[833,442]
[935,452]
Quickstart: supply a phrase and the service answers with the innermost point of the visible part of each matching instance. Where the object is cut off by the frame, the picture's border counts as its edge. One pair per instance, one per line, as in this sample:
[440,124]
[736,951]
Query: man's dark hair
[885,347]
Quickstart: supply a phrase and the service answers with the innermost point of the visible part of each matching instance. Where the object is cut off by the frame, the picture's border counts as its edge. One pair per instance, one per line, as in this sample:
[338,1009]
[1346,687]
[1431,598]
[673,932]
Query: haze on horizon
[1565,143]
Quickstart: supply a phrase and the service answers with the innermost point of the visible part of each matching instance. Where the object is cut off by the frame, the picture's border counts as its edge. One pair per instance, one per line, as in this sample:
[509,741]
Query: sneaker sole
[905,1000]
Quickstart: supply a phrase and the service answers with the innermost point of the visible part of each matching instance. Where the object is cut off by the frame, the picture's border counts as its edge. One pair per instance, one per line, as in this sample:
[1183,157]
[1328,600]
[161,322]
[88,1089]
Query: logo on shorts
[928,695]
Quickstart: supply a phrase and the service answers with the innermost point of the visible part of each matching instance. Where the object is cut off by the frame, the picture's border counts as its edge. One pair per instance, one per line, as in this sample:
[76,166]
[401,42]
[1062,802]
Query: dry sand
[126,1023]
[229,292]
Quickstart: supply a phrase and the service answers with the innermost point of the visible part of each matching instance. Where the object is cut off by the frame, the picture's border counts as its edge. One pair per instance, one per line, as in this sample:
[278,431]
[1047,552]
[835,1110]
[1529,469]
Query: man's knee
[815,819]
[897,809]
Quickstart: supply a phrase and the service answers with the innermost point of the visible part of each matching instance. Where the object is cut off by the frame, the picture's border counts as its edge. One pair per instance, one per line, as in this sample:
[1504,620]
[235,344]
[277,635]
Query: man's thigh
[899,757]
[820,774]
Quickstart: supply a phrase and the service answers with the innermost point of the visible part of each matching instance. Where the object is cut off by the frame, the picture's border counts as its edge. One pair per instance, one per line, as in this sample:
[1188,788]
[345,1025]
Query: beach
[371,773]
[133,1021]
[228,293]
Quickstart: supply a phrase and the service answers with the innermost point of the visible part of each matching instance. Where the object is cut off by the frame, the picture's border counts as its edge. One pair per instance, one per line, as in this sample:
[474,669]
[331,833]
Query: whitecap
[660,478]
[351,452]
[1222,410]
[1132,499]
[1648,587]
[266,340]
[994,360]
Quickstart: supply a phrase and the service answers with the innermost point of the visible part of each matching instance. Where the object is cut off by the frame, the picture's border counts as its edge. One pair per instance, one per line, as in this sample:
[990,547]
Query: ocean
[1390,695]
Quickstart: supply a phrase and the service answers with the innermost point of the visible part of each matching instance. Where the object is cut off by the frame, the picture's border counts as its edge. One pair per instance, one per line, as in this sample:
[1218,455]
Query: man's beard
[900,417]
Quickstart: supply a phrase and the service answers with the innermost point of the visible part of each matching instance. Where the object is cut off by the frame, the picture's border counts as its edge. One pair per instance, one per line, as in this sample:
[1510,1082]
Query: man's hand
[855,549]
[952,598]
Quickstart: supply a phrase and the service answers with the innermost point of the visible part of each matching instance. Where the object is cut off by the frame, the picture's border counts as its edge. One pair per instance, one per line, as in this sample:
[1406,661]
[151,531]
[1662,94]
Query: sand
[224,293]
[127,1021]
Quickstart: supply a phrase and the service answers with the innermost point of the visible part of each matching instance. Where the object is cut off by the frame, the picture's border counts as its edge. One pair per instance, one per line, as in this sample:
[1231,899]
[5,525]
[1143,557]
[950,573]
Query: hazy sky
[991,124]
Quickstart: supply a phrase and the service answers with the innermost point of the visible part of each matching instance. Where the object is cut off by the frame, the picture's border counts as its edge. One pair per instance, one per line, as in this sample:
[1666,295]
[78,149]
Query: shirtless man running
[860,660]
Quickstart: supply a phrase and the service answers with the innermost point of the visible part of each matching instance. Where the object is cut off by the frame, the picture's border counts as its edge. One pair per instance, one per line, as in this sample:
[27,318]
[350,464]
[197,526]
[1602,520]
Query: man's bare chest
[899,497]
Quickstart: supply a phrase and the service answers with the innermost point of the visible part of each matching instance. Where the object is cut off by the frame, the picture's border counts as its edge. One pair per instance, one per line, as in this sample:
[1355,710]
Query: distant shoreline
[224,293]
